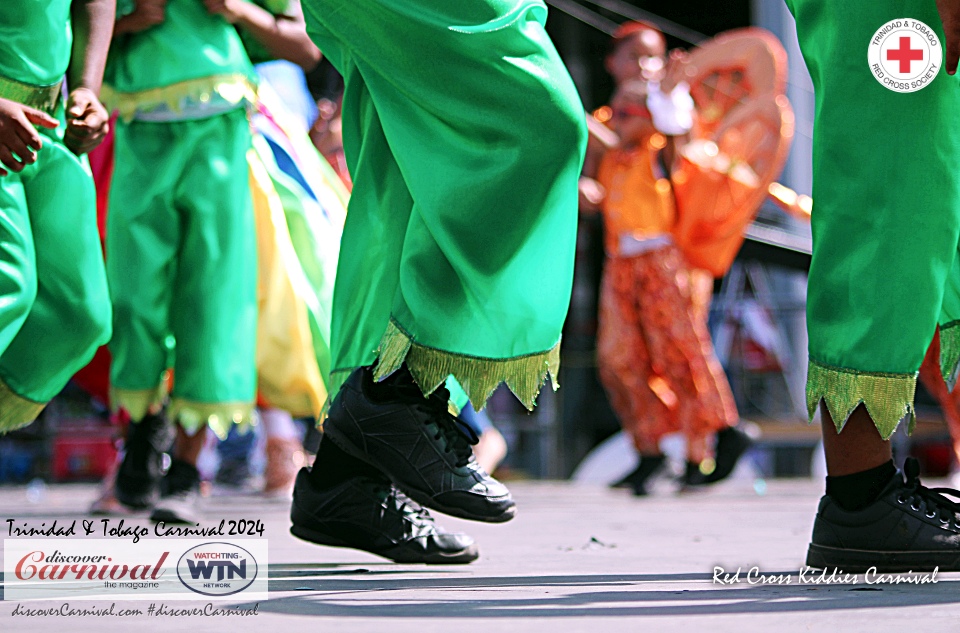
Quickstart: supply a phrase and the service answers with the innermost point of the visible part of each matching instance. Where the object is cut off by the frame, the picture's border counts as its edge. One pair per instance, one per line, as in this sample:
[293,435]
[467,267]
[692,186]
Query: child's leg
[442,277]
[624,357]
[70,317]
[214,311]
[885,233]
[143,236]
[18,289]
[214,318]
[677,346]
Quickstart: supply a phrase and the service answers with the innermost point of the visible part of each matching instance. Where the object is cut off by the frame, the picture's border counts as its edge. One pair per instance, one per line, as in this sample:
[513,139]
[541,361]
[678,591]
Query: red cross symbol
[905,54]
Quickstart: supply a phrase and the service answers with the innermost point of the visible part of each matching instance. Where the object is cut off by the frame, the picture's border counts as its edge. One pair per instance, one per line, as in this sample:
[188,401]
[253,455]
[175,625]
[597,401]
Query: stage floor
[575,559]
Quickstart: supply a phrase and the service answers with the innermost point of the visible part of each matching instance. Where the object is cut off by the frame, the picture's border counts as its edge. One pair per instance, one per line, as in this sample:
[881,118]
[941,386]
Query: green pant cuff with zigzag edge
[888,398]
[478,377]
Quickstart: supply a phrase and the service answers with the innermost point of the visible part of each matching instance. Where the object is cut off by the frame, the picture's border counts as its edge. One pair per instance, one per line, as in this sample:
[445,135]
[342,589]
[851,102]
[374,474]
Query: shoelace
[919,496]
[458,437]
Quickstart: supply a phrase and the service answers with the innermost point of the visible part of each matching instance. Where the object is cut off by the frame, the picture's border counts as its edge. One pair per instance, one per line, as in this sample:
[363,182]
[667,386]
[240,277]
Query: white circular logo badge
[217,569]
[905,55]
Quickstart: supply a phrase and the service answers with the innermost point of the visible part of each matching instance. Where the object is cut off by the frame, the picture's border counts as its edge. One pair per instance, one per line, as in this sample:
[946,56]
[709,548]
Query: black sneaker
[418,444]
[180,493]
[732,443]
[139,475]
[370,514]
[637,480]
[908,528]
[693,477]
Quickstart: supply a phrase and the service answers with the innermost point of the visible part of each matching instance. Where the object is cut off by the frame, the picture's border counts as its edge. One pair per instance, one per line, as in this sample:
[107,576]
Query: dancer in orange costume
[655,355]
[704,154]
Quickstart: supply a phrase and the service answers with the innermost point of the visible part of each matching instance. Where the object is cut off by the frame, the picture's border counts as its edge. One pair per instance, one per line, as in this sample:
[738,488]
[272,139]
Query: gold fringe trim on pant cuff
[479,377]
[16,411]
[950,352]
[887,397]
[219,416]
[139,402]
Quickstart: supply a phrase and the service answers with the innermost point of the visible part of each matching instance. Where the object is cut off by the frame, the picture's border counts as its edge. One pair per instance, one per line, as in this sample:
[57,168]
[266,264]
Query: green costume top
[37,40]
[189,66]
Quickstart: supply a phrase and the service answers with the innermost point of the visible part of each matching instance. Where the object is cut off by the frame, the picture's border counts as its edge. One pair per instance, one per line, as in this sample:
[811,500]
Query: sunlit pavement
[574,559]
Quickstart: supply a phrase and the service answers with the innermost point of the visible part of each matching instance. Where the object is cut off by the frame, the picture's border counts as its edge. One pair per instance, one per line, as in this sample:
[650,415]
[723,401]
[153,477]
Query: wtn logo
[225,569]
[217,569]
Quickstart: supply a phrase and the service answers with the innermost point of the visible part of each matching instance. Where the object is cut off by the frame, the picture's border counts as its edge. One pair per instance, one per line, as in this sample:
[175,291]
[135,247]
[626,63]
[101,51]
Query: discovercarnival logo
[217,569]
[905,55]
[38,565]
[176,569]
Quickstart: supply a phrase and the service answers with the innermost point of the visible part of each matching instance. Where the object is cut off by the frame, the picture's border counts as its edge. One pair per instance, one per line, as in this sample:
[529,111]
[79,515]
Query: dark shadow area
[283,574]
[626,597]
[374,594]
[455,580]
[295,576]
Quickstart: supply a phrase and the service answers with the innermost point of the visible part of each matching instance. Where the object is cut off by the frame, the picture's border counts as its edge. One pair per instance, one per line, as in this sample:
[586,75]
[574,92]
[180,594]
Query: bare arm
[87,119]
[950,16]
[284,36]
[92,30]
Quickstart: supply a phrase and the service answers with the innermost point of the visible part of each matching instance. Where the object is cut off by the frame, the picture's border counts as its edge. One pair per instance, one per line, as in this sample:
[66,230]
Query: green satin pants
[886,218]
[464,136]
[181,260]
[54,307]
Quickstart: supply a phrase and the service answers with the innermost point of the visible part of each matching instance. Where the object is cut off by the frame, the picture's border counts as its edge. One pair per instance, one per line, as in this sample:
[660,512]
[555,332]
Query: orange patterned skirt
[655,356]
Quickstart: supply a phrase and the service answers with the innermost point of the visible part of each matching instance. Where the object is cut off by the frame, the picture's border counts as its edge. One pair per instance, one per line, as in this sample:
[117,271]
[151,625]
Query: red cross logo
[905,55]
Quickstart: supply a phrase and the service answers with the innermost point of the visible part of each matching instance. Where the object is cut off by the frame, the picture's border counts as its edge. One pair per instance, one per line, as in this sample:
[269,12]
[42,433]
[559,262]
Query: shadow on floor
[377,596]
